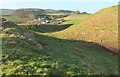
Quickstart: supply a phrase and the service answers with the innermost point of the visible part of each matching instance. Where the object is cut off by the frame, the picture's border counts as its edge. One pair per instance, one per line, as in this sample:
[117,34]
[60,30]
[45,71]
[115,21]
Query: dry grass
[101,28]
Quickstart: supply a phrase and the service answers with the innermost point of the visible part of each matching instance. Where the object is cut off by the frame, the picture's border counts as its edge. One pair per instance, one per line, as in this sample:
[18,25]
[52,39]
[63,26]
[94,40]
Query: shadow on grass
[48,28]
[56,41]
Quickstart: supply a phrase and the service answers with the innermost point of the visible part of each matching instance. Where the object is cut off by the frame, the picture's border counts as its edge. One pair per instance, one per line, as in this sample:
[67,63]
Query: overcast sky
[90,6]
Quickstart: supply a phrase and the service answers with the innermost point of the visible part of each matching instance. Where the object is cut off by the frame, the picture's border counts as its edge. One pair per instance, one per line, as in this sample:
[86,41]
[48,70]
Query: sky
[90,6]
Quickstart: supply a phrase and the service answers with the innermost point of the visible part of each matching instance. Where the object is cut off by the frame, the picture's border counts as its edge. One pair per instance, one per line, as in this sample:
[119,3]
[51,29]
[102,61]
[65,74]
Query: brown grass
[101,28]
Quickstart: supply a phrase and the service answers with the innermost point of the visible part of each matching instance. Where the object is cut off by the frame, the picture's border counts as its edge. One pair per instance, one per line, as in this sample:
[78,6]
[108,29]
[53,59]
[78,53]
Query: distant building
[47,21]
[43,22]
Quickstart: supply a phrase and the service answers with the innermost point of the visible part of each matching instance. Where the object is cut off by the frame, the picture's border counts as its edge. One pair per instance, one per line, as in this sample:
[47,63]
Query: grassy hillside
[101,28]
[15,19]
[76,16]
[28,52]
[41,50]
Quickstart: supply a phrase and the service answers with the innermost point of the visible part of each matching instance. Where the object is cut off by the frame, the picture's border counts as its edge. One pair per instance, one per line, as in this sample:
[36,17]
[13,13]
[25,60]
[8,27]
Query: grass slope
[15,19]
[75,18]
[29,52]
[101,28]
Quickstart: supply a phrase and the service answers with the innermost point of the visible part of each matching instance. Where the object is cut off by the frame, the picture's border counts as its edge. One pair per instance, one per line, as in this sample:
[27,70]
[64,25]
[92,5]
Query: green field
[71,22]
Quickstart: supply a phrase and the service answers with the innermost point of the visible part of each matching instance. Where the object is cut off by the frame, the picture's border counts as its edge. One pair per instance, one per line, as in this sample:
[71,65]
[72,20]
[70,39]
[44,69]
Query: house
[43,22]
[47,21]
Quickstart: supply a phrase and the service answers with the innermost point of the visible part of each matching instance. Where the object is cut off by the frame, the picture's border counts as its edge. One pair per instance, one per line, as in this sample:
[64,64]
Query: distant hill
[28,12]
[7,11]
[37,11]
[101,28]
[59,11]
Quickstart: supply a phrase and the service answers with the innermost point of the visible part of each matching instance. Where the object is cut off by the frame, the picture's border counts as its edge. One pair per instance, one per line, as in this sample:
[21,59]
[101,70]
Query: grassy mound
[100,28]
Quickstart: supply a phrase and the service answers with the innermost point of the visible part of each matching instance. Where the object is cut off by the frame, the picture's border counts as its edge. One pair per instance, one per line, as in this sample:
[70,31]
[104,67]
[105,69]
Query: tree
[84,13]
[77,12]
